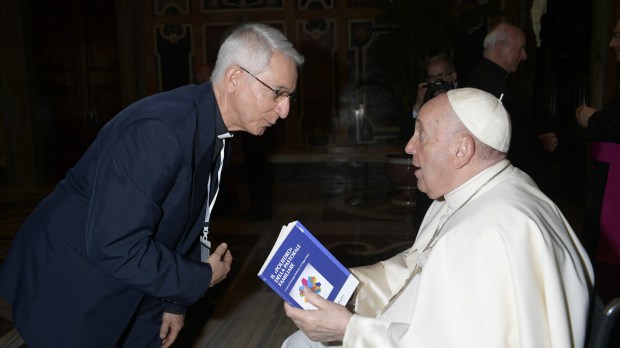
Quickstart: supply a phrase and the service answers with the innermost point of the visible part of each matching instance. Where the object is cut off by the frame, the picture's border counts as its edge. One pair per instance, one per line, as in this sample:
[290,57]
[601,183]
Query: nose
[523,55]
[412,149]
[412,146]
[283,107]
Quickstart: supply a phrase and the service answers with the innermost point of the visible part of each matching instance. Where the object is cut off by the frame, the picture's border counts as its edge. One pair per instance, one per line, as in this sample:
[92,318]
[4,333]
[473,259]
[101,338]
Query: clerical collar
[459,195]
[220,127]
[496,68]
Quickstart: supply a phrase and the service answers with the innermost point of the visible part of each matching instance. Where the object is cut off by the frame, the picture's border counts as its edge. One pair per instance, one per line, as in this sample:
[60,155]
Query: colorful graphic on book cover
[313,279]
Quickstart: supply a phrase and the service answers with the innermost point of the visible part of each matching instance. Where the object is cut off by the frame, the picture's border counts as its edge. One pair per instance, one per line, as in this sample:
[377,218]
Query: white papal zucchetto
[484,115]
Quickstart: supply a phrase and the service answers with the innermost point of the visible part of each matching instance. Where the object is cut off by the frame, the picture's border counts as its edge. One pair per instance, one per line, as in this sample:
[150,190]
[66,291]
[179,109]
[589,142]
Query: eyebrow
[285,88]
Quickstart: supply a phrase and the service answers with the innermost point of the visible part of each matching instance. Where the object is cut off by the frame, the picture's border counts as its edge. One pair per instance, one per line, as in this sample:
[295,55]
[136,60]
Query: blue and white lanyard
[205,243]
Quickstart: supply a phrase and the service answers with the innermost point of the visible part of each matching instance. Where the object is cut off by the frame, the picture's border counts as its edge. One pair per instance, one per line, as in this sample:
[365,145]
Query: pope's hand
[325,324]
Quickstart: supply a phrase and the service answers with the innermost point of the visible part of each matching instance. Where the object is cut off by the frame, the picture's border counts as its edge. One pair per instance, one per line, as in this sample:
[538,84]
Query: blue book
[298,259]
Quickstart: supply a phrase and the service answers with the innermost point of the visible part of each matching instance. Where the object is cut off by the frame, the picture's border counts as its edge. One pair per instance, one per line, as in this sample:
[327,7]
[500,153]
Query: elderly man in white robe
[495,264]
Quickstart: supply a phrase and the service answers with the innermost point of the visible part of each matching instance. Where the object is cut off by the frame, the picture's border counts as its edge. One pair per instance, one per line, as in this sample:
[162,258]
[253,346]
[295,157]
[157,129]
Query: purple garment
[609,240]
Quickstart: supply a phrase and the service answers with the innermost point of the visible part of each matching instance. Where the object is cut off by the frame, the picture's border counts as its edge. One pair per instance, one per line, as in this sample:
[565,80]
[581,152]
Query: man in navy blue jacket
[112,256]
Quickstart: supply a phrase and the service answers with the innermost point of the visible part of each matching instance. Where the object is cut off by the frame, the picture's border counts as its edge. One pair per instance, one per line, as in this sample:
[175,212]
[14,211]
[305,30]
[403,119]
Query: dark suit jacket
[526,150]
[122,225]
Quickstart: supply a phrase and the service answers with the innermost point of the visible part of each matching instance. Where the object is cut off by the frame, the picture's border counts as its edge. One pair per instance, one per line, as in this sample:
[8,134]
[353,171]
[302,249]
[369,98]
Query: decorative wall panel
[315,4]
[317,41]
[171,7]
[360,3]
[373,112]
[337,59]
[241,4]
[174,52]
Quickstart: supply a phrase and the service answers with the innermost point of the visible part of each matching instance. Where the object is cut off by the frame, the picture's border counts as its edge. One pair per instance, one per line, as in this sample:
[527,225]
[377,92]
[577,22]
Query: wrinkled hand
[220,262]
[583,114]
[171,324]
[326,324]
[549,141]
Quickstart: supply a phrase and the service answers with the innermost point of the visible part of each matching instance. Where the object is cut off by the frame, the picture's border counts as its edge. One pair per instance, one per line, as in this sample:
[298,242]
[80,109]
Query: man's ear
[232,77]
[465,151]
[499,46]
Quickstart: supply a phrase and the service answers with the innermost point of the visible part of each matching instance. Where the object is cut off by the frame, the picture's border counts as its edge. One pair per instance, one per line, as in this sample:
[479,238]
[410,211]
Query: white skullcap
[484,116]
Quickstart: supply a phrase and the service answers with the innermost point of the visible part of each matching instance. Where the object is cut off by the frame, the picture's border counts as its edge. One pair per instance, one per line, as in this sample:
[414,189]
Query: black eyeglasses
[280,95]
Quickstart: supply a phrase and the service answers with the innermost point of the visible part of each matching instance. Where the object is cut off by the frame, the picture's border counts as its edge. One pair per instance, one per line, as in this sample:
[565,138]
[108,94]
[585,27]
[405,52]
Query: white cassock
[507,270]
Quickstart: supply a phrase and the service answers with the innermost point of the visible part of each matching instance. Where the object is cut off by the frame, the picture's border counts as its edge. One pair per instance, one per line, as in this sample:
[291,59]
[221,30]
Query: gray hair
[251,46]
[441,59]
[498,34]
